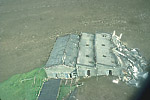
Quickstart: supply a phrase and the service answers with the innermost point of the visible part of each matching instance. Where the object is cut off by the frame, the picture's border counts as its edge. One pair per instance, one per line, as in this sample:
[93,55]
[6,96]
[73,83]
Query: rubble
[132,63]
[116,81]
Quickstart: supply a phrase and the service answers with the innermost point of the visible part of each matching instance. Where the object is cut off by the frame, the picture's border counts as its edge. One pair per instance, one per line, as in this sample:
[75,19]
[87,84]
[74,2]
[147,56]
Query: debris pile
[132,64]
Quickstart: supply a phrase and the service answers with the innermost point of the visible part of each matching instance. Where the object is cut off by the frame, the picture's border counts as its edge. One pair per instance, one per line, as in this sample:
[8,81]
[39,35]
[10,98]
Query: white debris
[116,81]
[145,75]
[132,62]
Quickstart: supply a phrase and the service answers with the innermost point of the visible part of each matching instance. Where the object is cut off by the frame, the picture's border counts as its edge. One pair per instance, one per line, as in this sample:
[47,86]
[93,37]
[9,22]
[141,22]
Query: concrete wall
[102,71]
[117,71]
[83,70]
[107,70]
[60,71]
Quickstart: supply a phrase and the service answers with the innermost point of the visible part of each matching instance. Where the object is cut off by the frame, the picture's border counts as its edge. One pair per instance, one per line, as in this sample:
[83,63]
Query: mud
[28,28]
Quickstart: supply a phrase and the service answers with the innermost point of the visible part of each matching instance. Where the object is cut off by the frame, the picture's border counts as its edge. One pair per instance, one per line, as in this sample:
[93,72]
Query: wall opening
[87,44]
[103,44]
[87,55]
[104,35]
[88,73]
[70,75]
[56,76]
[110,72]
[104,56]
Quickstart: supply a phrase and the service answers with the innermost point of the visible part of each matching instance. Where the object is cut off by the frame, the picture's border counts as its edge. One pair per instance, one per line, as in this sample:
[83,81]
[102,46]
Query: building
[82,55]
[63,57]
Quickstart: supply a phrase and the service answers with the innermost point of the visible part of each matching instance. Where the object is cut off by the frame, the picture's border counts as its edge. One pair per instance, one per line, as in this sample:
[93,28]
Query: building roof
[86,50]
[103,47]
[65,51]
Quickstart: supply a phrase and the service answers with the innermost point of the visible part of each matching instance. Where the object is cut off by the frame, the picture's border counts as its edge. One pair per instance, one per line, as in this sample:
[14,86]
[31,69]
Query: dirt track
[28,28]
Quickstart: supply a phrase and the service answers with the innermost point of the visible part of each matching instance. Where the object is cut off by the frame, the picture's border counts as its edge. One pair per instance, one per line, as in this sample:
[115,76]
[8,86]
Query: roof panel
[86,50]
[65,51]
[103,46]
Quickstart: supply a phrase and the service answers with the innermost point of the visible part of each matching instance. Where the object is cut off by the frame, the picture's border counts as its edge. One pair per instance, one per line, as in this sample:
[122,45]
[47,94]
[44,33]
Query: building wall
[117,71]
[60,71]
[83,70]
[107,70]
[104,71]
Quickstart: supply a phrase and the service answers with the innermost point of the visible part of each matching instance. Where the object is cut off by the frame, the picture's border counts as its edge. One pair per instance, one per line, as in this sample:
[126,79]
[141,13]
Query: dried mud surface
[28,28]
[102,88]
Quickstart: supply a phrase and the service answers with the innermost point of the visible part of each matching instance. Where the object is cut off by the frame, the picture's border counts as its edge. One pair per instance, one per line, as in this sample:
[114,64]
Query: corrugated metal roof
[65,51]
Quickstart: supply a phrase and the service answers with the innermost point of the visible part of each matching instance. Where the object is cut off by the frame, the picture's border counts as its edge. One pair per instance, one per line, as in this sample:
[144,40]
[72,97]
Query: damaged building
[93,55]
[63,58]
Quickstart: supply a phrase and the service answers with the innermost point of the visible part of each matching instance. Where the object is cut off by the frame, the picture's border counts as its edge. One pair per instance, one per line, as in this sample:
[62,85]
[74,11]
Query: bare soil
[28,30]
[102,88]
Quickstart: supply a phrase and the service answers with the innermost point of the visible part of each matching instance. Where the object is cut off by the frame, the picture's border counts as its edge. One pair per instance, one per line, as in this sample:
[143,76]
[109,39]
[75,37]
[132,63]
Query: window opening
[104,56]
[87,55]
[87,44]
[103,44]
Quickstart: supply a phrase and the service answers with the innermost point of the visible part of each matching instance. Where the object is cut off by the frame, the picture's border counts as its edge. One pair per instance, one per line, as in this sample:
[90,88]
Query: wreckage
[132,63]
[94,55]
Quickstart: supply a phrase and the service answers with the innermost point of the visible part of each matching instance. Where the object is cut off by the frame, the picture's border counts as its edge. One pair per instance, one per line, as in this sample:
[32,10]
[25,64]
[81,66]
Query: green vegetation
[27,86]
[65,90]
[23,86]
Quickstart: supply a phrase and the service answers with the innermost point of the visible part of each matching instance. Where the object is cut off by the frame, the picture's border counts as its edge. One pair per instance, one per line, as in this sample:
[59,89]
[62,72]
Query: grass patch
[65,90]
[23,86]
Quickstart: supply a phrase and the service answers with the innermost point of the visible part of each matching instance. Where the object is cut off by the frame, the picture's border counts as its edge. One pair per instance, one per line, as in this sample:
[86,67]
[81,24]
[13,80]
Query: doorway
[56,75]
[70,75]
[88,73]
[110,72]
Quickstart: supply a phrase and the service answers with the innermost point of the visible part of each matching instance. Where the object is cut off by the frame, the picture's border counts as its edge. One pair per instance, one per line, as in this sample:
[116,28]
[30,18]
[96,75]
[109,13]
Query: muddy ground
[28,28]
[102,88]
